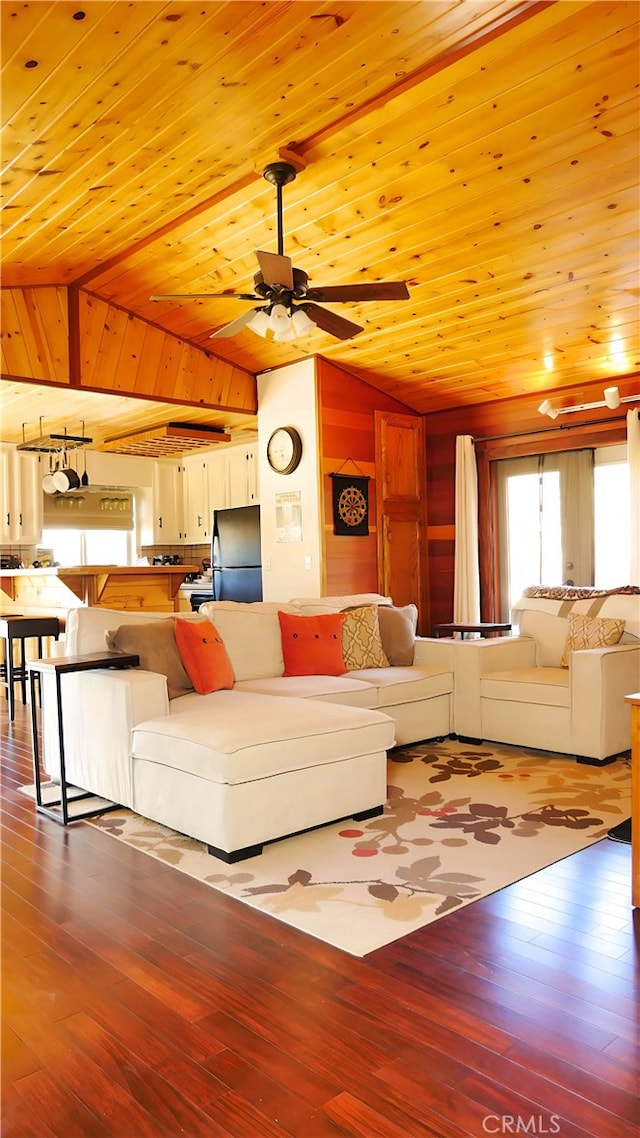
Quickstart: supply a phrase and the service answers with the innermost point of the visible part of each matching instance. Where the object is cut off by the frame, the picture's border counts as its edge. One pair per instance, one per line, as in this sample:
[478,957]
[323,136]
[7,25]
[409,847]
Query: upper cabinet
[186,492]
[232,478]
[197,516]
[242,476]
[167,523]
[216,480]
[21,490]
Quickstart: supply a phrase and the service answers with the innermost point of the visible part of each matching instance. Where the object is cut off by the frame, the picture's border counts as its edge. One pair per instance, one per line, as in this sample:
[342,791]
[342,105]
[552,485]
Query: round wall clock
[284,450]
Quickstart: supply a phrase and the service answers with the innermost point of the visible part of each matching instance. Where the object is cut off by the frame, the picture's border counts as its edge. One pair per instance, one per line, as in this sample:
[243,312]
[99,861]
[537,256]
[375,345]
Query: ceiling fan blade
[204,296]
[332,323]
[379,290]
[276,270]
[235,326]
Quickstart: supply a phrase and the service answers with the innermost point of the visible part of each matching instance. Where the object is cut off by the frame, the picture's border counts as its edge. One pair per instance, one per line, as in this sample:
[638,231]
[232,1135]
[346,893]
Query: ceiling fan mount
[280,284]
[279,173]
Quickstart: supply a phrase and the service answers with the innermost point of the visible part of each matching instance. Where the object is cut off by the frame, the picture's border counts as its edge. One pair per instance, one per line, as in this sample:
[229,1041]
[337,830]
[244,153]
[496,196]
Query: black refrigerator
[236,557]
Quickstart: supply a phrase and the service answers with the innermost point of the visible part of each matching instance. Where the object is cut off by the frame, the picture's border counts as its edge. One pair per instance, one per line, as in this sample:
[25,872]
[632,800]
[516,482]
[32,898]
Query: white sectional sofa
[236,768]
[517,689]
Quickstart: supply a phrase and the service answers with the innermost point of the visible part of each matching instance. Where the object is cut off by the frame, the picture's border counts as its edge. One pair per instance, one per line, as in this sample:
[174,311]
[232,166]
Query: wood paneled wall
[35,333]
[69,336]
[527,432]
[347,444]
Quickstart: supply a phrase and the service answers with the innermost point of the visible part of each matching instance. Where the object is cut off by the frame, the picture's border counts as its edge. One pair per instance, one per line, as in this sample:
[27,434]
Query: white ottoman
[238,769]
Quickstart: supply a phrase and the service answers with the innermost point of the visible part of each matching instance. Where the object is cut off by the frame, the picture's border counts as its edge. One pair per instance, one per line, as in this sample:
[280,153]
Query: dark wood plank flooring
[137,1002]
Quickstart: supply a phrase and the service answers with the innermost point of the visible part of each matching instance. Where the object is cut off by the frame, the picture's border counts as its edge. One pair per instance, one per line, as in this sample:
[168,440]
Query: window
[90,547]
[564,519]
[533,525]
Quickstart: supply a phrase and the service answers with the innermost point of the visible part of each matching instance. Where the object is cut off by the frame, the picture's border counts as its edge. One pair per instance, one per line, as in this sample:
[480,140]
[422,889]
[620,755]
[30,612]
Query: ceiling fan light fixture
[279,317]
[301,323]
[285,331]
[259,323]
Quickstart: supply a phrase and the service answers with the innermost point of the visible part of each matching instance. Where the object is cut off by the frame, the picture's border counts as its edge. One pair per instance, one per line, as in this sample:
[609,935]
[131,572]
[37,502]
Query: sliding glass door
[563,519]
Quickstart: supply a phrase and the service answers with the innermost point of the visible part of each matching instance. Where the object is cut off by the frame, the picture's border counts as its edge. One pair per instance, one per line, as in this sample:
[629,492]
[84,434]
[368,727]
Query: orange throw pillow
[312,645]
[204,655]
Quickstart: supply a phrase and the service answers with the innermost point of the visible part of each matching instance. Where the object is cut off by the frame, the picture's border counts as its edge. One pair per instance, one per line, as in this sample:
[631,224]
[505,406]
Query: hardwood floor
[138,1002]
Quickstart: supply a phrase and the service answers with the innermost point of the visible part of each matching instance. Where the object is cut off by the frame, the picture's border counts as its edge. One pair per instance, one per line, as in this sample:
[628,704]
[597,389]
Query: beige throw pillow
[590,632]
[398,633]
[361,643]
[154,641]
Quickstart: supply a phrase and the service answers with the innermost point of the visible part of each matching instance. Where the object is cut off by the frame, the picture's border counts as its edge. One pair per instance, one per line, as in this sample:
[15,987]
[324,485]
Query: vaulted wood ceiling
[486,153]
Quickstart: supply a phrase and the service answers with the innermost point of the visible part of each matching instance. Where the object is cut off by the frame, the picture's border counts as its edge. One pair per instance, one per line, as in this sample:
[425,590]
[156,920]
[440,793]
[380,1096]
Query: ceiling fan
[290,307]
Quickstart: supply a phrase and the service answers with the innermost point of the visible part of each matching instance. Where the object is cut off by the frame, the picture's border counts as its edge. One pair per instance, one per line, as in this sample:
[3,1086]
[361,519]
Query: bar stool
[22,628]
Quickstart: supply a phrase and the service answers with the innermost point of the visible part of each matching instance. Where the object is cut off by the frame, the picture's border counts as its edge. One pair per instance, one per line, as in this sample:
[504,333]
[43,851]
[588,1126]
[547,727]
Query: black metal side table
[59,666]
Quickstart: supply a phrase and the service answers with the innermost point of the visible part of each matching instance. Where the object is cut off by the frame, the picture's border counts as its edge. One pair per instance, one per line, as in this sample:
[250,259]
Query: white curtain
[466,587]
[633,455]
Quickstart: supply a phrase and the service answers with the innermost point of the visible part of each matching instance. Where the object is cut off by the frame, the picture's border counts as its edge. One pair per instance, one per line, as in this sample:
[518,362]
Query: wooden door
[401,512]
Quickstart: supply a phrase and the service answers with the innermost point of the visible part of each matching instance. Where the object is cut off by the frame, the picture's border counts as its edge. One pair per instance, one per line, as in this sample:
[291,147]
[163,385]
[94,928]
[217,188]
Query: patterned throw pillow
[590,632]
[154,641]
[312,645]
[204,655]
[361,643]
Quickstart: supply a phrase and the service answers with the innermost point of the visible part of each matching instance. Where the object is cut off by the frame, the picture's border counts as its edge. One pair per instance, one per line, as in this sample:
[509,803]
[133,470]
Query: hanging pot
[48,482]
[66,479]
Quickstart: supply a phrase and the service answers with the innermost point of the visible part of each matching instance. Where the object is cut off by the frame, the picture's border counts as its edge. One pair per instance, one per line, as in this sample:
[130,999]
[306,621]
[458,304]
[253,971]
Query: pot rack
[53,443]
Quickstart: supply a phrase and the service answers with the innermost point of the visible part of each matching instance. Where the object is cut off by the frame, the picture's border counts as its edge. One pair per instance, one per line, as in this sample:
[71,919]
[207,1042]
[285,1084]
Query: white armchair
[515,690]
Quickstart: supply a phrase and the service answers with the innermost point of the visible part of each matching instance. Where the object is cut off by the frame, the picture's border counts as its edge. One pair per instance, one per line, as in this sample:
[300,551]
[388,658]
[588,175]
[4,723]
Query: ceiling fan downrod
[279,174]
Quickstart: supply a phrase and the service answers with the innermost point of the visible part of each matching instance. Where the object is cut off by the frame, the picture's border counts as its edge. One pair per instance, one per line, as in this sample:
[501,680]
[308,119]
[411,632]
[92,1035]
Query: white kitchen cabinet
[21,488]
[242,476]
[198,514]
[217,480]
[167,524]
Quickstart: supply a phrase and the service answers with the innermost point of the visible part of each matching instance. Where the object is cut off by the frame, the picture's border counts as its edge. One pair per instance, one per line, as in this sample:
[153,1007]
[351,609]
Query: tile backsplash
[188,554]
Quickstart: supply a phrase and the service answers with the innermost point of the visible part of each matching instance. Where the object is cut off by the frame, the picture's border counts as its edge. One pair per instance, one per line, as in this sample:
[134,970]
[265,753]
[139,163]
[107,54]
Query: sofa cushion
[336,689]
[316,605]
[204,655]
[398,633]
[405,685]
[251,634]
[549,687]
[590,632]
[235,737]
[361,643]
[86,626]
[312,645]
[154,641]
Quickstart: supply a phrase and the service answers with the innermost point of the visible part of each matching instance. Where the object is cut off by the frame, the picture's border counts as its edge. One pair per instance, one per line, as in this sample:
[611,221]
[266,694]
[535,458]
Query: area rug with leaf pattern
[461,822]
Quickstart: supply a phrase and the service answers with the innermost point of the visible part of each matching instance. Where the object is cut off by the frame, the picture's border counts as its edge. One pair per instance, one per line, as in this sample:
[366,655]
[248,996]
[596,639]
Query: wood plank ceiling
[485,153]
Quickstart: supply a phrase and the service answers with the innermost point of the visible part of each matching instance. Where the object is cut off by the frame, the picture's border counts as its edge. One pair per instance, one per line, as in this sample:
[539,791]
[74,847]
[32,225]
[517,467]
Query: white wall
[287,397]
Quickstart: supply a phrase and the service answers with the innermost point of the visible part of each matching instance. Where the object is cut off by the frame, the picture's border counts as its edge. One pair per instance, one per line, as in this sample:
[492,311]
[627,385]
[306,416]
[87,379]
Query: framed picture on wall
[288,517]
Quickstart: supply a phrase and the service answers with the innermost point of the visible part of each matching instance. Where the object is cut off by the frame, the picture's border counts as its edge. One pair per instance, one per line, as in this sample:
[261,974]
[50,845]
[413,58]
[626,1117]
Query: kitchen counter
[132,588]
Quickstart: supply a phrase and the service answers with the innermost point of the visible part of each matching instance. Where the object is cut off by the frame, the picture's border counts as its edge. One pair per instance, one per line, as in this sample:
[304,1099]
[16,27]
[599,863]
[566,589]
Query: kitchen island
[132,588]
